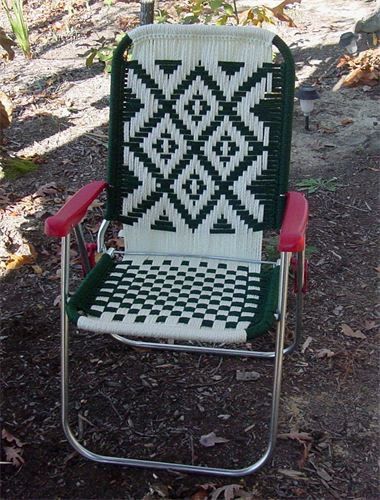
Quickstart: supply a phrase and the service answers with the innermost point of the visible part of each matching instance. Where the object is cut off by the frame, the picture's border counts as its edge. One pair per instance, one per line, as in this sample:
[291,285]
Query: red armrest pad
[74,210]
[293,228]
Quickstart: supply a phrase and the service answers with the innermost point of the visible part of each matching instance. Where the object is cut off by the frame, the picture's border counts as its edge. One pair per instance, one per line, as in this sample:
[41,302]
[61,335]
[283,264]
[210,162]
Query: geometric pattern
[194,158]
[196,150]
[194,293]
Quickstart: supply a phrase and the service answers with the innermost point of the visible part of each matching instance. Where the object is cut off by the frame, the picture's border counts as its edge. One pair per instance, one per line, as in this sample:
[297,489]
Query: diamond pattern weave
[199,153]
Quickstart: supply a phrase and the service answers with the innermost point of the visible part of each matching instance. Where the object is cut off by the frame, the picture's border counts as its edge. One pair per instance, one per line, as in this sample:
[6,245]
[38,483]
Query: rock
[370,24]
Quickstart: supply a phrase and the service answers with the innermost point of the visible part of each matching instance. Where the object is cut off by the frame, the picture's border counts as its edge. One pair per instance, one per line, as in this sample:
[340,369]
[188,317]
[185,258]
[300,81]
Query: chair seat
[183,298]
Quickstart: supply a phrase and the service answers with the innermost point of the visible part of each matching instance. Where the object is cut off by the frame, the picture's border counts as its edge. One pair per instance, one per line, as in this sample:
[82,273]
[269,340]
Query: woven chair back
[199,138]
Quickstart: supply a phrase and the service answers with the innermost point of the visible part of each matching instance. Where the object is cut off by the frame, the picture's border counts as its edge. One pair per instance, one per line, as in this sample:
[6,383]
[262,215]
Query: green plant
[222,13]
[108,2]
[313,185]
[16,17]
[103,52]
[13,167]
[270,248]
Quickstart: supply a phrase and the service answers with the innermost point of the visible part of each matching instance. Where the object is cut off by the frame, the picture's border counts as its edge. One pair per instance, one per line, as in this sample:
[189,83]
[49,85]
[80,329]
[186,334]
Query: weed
[319,184]
[15,13]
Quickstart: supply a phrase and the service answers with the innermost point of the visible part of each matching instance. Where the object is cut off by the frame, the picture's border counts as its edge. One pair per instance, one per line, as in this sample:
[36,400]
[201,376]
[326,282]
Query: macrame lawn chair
[199,149]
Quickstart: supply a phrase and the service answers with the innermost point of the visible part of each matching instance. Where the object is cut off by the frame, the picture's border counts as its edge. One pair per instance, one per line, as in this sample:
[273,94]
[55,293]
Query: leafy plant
[102,53]
[15,13]
[222,13]
[313,185]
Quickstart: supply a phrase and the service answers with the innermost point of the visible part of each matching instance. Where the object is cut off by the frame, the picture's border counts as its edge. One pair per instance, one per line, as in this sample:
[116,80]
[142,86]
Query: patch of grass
[11,168]
[317,184]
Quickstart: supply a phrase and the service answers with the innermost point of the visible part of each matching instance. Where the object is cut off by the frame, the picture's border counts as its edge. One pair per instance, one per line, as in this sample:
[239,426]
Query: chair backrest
[200,132]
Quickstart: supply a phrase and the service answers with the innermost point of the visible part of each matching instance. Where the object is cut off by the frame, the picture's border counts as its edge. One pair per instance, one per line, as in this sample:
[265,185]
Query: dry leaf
[211,439]
[199,495]
[306,344]
[325,353]
[229,492]
[7,45]
[346,121]
[324,475]
[278,12]
[13,455]
[37,269]
[15,261]
[10,438]
[28,256]
[47,189]
[298,436]
[294,474]
[6,109]
[349,332]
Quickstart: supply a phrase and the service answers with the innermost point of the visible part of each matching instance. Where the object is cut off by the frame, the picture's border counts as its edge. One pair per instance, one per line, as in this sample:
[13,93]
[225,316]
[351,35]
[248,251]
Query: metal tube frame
[78,231]
[278,361]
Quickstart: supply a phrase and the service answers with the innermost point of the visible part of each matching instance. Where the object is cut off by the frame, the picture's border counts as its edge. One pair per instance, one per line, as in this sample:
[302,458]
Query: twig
[236,12]
[192,449]
[217,368]
[351,206]
[205,385]
[111,403]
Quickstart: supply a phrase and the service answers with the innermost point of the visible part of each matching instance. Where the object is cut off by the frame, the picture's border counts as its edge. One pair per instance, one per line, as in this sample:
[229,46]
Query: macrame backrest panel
[202,118]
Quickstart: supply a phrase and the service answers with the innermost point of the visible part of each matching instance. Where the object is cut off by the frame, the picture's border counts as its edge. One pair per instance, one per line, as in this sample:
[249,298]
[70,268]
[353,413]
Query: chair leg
[299,297]
[169,465]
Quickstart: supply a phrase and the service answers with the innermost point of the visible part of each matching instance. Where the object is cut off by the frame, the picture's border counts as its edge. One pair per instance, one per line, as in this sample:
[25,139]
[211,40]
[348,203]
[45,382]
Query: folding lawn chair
[199,149]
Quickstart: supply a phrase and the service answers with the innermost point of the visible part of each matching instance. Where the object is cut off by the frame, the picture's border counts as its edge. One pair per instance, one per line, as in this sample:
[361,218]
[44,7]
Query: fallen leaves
[27,256]
[14,452]
[349,332]
[209,440]
[364,69]
[227,492]
[305,439]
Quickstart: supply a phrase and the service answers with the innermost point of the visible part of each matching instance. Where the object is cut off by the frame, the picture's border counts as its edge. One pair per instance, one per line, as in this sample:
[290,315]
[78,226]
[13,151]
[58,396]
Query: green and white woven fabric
[177,298]
[197,167]
[200,140]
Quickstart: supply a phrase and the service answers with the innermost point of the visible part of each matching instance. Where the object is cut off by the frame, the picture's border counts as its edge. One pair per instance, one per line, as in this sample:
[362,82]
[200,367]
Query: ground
[160,405]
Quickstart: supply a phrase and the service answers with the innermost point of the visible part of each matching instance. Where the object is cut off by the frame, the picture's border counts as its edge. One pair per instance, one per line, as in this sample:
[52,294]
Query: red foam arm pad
[74,210]
[293,228]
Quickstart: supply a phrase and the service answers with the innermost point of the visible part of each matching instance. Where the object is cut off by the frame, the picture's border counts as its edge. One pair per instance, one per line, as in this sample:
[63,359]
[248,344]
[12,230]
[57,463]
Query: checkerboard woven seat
[191,298]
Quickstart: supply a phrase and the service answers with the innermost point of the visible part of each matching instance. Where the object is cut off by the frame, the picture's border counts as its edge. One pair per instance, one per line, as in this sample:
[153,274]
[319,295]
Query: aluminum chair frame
[70,217]
[277,355]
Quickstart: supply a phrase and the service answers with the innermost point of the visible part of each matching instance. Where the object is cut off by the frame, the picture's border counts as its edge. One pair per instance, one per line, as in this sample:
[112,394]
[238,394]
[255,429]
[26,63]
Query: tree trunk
[147,11]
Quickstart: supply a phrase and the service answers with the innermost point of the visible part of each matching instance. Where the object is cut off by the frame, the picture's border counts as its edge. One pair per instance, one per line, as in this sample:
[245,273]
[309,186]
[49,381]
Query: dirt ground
[158,406]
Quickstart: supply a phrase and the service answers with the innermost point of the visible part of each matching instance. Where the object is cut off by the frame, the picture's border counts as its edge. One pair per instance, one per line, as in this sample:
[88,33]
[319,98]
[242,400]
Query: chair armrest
[293,228]
[74,210]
